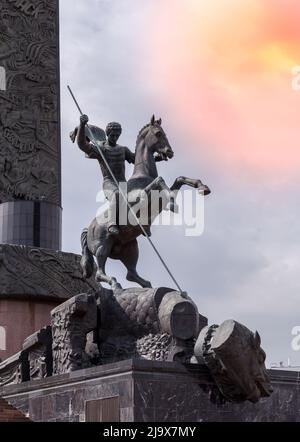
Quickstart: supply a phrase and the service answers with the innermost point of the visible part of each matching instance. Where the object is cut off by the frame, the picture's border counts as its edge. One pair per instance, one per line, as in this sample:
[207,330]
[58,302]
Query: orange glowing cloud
[225,68]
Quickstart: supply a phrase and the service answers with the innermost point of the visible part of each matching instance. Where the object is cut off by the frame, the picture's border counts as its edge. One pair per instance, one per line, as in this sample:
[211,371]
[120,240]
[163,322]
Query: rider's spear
[95,142]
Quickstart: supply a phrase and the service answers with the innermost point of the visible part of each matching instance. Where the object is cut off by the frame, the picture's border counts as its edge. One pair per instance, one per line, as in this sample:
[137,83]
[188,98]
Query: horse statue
[96,240]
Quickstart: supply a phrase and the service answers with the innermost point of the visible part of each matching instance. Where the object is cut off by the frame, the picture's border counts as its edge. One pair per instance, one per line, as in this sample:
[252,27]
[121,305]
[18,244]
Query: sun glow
[227,71]
[276,58]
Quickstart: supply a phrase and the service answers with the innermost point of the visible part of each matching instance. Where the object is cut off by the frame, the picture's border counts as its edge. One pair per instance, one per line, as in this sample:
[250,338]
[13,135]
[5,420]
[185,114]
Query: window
[103,410]
[2,338]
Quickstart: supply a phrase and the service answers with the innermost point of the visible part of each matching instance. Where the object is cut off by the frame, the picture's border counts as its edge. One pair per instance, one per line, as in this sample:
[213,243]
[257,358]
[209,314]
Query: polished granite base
[31,223]
[146,391]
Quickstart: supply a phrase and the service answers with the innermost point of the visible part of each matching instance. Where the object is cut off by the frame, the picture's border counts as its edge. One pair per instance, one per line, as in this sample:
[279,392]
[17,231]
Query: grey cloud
[245,265]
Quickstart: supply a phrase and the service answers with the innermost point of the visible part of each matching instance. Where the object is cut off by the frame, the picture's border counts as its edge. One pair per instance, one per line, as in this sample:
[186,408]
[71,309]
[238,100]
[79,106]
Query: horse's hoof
[204,190]
[147,285]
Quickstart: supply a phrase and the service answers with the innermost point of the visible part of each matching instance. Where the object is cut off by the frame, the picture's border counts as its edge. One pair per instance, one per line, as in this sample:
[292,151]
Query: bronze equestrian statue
[104,238]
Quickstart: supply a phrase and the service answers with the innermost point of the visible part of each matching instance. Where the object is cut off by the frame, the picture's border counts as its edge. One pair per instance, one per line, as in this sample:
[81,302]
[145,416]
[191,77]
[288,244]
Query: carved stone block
[71,322]
[11,370]
[38,348]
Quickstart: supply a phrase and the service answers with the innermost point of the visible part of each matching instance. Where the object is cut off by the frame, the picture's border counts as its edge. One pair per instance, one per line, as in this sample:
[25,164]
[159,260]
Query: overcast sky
[245,266]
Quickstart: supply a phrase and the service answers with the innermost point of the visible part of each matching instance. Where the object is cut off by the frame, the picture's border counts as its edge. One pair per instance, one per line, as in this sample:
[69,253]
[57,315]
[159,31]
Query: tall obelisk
[30,159]
[36,278]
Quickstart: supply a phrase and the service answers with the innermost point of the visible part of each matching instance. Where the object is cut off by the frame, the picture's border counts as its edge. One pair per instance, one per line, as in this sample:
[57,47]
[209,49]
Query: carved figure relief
[29,121]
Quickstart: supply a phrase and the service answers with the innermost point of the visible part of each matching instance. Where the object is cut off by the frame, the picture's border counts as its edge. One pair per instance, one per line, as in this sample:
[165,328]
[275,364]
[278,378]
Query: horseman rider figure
[115,156]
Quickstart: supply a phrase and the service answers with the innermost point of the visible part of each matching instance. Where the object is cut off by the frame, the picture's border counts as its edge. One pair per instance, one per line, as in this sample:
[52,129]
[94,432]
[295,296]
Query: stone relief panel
[11,370]
[29,119]
[35,272]
[71,322]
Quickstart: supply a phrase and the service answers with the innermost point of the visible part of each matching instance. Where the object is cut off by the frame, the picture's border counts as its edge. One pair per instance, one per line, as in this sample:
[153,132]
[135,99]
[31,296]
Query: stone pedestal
[145,391]
[33,281]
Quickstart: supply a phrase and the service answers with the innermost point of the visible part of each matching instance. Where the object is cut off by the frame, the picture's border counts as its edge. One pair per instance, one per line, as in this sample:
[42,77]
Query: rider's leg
[112,194]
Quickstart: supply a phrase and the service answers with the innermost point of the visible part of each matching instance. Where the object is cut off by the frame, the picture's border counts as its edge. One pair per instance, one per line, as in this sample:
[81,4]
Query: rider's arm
[129,156]
[91,151]
[88,148]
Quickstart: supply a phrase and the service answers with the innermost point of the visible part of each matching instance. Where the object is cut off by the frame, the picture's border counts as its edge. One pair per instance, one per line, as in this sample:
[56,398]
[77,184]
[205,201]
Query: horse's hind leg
[101,275]
[101,256]
[129,256]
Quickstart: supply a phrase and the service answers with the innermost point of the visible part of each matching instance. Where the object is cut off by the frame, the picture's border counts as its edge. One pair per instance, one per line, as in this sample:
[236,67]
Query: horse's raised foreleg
[197,184]
[129,256]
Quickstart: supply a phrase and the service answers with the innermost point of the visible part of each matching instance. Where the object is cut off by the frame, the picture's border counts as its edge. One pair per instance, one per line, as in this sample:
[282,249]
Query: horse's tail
[87,260]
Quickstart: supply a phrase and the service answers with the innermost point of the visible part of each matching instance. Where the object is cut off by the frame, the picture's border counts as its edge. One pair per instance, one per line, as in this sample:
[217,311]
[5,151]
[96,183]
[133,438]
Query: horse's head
[157,141]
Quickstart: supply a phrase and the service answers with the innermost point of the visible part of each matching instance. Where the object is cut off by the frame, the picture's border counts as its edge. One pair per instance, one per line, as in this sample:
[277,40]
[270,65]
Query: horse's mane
[140,132]
[143,129]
